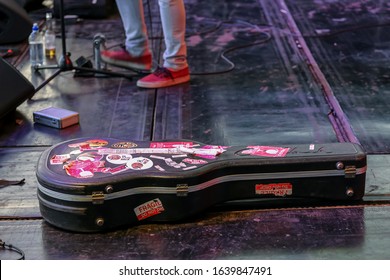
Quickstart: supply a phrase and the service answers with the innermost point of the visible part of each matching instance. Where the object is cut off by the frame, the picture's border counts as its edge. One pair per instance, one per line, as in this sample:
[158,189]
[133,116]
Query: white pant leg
[132,14]
[173,19]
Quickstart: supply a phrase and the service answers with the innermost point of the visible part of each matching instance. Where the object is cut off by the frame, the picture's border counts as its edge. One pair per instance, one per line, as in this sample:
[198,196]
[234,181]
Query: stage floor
[264,72]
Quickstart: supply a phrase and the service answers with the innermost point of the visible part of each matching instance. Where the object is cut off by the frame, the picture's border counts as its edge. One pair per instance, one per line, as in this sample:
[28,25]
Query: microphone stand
[65,63]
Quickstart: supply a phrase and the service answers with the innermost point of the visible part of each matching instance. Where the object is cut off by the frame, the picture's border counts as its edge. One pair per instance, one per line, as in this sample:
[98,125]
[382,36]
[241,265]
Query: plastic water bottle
[50,37]
[35,41]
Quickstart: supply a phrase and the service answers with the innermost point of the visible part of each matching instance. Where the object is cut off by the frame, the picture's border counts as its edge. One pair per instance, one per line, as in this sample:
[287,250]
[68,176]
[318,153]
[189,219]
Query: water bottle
[35,41]
[50,37]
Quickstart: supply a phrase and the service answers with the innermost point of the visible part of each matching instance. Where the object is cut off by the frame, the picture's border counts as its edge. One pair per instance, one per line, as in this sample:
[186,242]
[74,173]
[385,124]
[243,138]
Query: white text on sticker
[148,209]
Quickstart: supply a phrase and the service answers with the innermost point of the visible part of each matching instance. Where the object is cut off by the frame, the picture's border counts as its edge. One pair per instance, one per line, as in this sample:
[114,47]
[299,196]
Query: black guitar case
[97,184]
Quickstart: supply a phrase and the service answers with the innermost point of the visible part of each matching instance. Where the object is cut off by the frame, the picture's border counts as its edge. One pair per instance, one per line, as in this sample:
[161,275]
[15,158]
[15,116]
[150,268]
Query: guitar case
[98,184]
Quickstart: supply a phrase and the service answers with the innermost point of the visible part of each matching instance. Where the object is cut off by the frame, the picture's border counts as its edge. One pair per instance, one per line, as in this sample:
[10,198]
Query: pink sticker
[194,161]
[83,169]
[118,169]
[85,147]
[221,148]
[170,144]
[266,151]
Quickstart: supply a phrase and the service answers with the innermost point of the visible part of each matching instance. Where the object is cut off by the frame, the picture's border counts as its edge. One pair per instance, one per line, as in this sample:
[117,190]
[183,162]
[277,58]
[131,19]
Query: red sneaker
[164,77]
[123,59]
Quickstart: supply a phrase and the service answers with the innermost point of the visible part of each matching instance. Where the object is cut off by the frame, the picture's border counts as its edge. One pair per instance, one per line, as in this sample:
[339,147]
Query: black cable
[232,65]
[218,25]
[11,247]
[222,55]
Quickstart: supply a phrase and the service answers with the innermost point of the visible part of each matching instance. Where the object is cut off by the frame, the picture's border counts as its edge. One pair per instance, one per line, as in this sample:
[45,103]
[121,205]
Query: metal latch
[97,197]
[350,172]
[181,189]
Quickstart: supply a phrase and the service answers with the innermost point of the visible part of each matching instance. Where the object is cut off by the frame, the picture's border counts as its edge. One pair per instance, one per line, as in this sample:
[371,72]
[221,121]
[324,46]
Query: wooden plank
[318,233]
[17,164]
[268,97]
[349,41]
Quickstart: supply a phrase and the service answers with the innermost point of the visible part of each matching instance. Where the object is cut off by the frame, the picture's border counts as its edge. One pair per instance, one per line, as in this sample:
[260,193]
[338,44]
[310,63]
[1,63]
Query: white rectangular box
[56,117]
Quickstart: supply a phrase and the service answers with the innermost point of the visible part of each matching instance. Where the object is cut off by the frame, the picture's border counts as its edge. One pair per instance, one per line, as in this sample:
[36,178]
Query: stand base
[65,64]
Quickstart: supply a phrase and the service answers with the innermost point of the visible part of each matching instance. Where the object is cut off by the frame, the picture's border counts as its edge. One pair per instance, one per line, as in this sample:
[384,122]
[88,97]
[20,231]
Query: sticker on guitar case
[118,158]
[92,156]
[97,142]
[59,159]
[89,144]
[171,144]
[159,168]
[124,145]
[83,169]
[118,169]
[170,162]
[194,161]
[139,163]
[149,209]
[276,189]
[266,151]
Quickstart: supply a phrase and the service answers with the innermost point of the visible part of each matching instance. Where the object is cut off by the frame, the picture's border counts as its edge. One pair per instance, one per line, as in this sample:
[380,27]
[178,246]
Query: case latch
[350,172]
[97,197]
[181,189]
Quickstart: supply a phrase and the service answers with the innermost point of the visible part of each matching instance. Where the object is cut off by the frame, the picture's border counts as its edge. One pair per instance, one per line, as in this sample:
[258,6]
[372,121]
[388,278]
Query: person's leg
[136,53]
[175,70]
[173,20]
[132,15]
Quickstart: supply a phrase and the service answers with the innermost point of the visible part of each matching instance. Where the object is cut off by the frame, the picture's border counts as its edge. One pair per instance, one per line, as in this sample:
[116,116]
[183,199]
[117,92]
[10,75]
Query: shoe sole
[128,65]
[176,81]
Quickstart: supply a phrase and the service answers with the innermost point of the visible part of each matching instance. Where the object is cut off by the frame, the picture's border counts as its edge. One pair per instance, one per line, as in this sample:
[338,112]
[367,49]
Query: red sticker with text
[149,209]
[276,189]
[59,159]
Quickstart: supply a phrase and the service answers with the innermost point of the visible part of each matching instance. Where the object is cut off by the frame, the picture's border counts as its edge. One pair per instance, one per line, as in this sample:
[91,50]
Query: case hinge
[350,172]
[97,197]
[181,189]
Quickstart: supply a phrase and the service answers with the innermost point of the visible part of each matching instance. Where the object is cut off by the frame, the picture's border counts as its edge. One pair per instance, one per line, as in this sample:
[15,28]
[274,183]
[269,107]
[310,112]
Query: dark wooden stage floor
[269,72]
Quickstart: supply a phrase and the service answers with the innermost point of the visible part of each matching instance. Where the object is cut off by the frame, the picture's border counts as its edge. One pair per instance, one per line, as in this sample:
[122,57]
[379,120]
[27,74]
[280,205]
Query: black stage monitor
[14,88]
[15,24]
